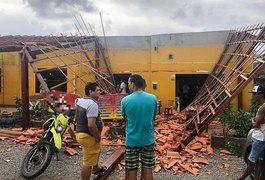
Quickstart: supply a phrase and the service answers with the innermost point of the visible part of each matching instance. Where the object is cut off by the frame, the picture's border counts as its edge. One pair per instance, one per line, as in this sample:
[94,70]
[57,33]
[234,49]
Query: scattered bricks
[70,151]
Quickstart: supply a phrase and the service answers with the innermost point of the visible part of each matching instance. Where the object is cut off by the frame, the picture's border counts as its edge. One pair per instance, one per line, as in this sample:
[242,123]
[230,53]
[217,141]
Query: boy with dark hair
[139,108]
[89,127]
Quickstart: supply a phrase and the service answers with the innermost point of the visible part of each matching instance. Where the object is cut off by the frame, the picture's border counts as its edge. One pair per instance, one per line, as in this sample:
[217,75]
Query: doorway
[122,77]
[187,88]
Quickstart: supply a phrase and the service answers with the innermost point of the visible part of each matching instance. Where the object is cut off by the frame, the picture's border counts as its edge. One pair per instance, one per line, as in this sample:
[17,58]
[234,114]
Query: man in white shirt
[122,87]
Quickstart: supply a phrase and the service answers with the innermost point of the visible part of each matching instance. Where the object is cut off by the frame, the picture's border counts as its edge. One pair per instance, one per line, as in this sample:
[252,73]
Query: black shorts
[146,154]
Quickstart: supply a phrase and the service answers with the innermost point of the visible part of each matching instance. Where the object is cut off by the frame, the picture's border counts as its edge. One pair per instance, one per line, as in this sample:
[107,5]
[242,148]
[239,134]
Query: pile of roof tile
[168,132]
[32,136]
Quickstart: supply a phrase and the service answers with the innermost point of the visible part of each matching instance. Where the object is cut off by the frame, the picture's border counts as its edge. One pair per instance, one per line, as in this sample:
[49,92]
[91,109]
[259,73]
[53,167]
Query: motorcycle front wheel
[36,160]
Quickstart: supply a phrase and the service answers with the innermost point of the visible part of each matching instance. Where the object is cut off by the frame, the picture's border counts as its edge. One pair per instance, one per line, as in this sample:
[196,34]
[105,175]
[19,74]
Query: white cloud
[126,17]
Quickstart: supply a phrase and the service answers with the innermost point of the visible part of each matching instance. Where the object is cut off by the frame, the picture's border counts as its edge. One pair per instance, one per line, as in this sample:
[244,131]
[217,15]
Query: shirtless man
[258,135]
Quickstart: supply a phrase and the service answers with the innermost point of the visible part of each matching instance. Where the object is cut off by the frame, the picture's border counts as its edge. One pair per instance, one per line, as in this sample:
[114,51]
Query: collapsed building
[216,68]
[167,62]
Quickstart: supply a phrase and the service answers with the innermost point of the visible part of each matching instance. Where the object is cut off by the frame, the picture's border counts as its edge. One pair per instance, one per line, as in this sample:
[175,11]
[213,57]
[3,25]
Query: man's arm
[93,128]
[259,119]
[123,108]
[72,134]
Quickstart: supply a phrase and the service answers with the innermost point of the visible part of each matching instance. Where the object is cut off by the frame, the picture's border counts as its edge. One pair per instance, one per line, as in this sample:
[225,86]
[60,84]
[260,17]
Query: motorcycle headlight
[59,127]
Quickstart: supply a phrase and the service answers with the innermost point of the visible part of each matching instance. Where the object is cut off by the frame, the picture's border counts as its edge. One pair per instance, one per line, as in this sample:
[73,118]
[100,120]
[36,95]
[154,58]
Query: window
[170,56]
[52,78]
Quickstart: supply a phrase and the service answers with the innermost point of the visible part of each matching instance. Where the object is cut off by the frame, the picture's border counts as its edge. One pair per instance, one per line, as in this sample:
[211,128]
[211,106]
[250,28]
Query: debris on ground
[168,132]
[29,137]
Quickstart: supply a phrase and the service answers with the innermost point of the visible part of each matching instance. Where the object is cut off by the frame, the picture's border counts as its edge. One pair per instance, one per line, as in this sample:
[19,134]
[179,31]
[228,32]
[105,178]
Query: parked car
[247,150]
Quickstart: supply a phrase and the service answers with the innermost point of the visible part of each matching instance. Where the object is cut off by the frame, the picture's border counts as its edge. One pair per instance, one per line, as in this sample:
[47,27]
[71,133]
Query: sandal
[100,170]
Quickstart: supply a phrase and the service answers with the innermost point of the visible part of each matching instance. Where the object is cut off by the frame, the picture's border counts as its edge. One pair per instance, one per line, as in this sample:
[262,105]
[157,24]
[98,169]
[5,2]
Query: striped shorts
[146,154]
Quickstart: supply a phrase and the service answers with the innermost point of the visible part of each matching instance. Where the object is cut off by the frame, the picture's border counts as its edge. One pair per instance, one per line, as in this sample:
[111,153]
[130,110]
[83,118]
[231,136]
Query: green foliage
[115,133]
[241,123]
[227,118]
[38,112]
[18,113]
[112,134]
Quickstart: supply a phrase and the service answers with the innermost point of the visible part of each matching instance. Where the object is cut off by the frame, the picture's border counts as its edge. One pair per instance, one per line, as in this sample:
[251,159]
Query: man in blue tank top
[139,108]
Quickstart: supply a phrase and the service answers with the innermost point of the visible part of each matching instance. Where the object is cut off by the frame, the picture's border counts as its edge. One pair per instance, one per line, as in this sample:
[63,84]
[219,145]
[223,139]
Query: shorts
[90,148]
[146,154]
[257,151]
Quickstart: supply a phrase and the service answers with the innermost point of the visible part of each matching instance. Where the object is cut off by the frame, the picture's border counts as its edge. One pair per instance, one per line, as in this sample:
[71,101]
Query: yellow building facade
[162,60]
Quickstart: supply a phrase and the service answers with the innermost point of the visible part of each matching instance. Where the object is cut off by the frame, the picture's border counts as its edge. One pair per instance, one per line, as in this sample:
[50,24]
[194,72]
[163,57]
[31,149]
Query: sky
[127,17]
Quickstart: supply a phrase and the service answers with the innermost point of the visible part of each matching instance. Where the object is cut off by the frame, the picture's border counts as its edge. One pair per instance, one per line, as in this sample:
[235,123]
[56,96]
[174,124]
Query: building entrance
[187,88]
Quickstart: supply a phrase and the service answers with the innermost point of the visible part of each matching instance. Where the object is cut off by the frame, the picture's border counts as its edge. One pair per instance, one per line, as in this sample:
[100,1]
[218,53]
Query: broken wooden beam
[112,162]
[11,133]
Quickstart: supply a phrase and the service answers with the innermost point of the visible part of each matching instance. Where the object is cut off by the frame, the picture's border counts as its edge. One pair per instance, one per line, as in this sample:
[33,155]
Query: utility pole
[25,90]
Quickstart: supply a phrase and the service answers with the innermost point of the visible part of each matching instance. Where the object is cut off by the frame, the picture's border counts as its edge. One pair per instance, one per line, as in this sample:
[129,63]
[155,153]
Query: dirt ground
[69,167]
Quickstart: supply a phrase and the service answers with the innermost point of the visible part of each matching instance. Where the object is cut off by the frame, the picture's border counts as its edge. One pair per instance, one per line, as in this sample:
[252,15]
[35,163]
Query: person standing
[89,126]
[139,108]
[258,136]
[186,95]
[122,87]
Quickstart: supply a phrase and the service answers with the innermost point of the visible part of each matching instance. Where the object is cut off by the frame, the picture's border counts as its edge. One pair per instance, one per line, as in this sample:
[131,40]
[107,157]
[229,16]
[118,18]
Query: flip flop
[100,170]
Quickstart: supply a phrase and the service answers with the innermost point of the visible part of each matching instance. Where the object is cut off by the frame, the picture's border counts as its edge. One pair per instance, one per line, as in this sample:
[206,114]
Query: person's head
[135,82]
[92,90]
[258,93]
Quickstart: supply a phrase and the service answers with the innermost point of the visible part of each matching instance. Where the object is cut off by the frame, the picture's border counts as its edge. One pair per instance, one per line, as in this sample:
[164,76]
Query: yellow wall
[11,77]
